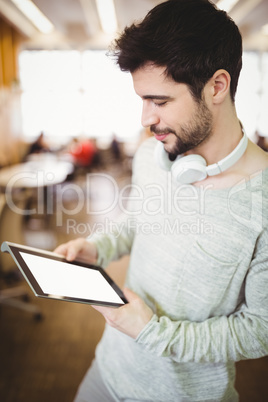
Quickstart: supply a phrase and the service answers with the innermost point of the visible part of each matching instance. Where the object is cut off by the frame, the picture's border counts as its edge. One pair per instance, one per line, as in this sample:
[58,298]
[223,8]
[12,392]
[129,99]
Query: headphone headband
[229,160]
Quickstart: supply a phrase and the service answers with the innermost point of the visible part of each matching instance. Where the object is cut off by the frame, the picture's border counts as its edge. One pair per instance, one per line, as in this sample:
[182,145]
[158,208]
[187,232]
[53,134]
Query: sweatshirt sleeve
[118,238]
[241,335]
[114,244]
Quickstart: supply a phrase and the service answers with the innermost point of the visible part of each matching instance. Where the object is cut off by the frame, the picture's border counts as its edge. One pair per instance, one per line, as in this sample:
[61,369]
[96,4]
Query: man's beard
[192,134]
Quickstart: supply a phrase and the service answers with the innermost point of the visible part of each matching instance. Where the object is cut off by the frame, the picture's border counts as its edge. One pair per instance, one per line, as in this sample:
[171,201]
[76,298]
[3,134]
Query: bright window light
[226,5]
[29,9]
[69,93]
[107,15]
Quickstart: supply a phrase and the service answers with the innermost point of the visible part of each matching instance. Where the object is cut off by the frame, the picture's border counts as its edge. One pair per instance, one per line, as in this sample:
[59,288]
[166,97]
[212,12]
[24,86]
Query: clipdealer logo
[166,227]
[102,198]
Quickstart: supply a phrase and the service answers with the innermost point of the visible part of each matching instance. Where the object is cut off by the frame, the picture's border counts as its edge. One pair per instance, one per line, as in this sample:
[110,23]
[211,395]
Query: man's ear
[220,86]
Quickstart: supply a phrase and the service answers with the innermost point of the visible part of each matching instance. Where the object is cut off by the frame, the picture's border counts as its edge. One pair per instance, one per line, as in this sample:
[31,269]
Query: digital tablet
[51,276]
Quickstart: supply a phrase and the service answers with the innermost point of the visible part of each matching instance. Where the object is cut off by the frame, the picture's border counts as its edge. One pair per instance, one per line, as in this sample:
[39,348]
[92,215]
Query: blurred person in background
[39,145]
[83,152]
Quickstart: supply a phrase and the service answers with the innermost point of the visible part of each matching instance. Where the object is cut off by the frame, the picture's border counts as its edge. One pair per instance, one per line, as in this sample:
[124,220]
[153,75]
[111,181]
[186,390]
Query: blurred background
[69,126]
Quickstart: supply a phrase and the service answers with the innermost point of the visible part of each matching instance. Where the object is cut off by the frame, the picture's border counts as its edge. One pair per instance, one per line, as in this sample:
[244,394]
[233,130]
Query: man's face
[175,118]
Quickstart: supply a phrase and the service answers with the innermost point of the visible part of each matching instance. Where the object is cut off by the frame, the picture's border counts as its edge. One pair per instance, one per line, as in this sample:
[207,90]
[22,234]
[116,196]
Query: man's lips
[160,137]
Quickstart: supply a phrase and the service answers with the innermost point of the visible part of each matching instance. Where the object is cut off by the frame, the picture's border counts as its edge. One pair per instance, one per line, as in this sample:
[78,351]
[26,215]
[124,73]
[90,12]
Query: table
[17,184]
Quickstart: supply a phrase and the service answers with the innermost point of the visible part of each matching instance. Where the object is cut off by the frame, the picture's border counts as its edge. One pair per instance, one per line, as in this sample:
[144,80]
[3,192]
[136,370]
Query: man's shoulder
[147,145]
[145,150]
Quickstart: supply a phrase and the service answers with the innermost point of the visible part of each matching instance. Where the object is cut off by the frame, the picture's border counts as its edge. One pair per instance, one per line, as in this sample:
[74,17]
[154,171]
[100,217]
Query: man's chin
[170,149]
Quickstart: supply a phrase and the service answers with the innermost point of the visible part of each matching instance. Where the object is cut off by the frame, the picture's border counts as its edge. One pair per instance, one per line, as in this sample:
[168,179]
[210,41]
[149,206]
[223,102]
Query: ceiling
[78,26]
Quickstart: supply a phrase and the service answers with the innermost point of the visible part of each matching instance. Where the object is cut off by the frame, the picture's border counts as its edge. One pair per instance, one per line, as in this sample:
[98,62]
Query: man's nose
[149,114]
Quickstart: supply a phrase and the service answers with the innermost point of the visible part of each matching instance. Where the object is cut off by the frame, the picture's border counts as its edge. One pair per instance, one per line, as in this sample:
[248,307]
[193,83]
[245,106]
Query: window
[71,93]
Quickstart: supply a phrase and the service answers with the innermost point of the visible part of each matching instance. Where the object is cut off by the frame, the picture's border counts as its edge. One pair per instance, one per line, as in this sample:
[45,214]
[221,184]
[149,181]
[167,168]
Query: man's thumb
[130,295]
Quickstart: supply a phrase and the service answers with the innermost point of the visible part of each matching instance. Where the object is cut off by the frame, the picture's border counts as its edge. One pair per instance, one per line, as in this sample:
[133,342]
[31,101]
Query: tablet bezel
[15,249]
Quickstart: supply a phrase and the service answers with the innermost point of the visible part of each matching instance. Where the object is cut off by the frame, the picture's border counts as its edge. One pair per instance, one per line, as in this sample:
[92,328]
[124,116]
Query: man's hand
[130,318]
[78,248]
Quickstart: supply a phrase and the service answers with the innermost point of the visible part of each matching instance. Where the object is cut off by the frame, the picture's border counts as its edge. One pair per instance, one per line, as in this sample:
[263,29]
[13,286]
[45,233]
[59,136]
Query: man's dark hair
[191,38]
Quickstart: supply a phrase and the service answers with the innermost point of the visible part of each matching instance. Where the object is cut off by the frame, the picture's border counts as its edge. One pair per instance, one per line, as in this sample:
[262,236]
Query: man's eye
[160,103]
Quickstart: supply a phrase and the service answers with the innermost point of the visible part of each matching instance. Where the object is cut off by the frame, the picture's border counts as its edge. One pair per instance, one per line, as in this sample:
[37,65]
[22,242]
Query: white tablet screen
[59,278]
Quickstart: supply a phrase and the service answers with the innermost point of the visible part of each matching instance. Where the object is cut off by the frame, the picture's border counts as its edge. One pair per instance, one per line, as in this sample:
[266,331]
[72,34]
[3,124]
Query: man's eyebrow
[159,97]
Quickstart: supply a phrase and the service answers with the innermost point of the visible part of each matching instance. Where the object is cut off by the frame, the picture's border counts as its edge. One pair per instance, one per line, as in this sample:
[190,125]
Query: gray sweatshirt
[199,259]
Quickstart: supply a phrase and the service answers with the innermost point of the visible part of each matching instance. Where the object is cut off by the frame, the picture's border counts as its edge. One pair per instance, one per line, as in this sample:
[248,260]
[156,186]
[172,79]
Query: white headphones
[191,168]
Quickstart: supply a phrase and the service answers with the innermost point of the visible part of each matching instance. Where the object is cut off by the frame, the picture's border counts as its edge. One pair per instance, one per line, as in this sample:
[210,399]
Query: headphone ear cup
[185,169]
[189,169]
[161,157]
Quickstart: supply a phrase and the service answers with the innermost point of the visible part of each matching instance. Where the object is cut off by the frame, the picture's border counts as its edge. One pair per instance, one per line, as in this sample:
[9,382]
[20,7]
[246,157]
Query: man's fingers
[62,249]
[69,250]
[71,253]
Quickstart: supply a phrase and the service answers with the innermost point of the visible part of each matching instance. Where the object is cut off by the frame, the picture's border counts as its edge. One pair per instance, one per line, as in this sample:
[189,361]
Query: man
[197,281]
